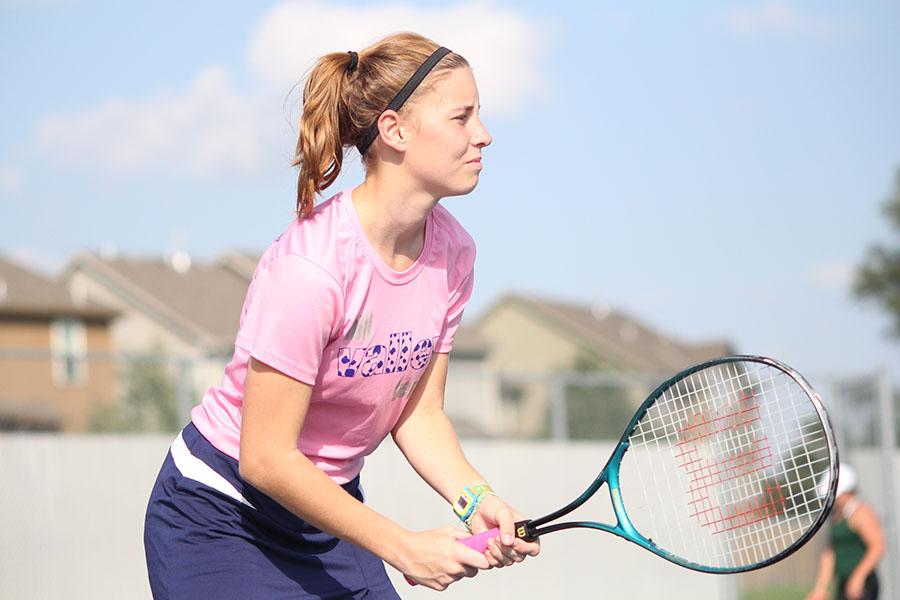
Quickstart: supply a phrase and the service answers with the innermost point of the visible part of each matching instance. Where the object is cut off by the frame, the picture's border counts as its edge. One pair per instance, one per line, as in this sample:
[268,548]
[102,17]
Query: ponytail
[320,145]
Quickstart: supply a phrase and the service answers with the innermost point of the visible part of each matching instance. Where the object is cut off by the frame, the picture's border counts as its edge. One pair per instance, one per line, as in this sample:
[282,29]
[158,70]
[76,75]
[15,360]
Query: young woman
[343,340]
[855,546]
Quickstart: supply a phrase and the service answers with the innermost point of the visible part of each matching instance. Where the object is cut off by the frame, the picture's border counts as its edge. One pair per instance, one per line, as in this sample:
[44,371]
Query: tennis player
[343,339]
[855,545]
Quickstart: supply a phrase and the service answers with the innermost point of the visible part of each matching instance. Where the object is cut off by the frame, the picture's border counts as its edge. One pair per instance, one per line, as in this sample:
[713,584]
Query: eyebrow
[467,107]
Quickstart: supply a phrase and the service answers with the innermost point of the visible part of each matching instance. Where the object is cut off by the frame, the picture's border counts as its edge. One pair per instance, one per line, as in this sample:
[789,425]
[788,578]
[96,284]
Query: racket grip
[477,542]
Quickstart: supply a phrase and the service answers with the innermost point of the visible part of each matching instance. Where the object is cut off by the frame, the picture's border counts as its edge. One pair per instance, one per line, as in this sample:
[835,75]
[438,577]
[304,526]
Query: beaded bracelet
[468,501]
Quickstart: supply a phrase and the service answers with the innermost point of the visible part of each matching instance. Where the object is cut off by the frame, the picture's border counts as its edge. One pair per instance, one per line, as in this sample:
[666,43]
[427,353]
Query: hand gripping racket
[718,470]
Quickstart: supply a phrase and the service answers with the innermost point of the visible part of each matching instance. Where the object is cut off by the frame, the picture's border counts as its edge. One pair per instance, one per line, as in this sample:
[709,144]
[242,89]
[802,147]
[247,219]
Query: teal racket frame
[609,476]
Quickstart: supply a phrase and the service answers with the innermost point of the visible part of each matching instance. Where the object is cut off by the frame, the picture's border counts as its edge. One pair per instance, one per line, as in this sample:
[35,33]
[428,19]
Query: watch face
[462,502]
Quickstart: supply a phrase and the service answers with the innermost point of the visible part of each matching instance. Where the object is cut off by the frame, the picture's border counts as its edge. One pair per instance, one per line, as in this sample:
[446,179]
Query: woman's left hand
[507,549]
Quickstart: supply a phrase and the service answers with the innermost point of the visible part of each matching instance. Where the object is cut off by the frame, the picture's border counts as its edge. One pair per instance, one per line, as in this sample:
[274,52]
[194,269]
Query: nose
[482,137]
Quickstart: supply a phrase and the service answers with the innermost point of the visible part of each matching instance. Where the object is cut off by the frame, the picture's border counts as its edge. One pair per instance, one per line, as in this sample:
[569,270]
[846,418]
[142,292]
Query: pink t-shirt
[323,308]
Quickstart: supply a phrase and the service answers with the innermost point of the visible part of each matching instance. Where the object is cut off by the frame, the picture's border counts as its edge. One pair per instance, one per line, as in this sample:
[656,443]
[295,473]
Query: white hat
[846,481]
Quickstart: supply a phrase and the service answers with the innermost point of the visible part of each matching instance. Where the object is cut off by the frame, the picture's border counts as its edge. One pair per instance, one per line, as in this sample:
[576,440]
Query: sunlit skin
[430,152]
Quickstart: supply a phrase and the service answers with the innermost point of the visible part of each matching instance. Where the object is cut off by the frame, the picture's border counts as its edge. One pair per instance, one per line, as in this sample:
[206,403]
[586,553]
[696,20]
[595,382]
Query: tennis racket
[718,470]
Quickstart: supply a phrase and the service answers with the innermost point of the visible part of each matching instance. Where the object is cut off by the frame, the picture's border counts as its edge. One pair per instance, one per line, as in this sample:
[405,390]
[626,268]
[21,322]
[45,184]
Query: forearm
[426,437]
[294,482]
[868,563]
[865,523]
[826,570]
[429,442]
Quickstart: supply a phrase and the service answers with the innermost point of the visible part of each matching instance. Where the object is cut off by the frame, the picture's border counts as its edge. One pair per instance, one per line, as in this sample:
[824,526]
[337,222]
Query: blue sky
[716,169]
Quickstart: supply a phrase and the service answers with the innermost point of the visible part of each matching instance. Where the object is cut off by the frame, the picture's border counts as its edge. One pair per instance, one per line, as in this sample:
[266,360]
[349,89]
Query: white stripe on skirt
[193,468]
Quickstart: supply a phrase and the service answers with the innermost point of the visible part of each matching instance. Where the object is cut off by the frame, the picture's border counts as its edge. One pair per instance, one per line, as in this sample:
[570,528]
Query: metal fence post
[836,407]
[888,451]
[558,409]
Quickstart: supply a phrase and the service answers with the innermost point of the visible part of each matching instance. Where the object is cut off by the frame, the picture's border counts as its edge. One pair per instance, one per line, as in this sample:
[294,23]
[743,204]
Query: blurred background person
[856,544]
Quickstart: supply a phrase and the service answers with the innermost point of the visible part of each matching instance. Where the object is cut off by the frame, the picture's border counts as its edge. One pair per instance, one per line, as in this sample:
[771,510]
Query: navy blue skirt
[209,534]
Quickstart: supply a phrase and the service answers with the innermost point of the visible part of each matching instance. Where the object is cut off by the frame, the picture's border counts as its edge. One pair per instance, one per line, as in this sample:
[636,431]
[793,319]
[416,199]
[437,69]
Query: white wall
[71,517]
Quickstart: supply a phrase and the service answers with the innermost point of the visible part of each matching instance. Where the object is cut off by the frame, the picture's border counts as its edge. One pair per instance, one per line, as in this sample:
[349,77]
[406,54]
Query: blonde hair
[339,107]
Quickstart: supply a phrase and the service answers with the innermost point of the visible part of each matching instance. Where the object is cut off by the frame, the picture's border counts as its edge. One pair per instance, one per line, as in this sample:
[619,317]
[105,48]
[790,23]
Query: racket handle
[477,542]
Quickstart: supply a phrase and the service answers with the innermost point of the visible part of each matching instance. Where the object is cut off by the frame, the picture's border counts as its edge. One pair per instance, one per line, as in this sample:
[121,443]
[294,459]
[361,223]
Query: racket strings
[728,460]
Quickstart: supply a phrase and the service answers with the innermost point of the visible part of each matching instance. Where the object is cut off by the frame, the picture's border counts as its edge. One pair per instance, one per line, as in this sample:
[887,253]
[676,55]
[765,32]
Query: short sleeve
[459,297]
[293,309]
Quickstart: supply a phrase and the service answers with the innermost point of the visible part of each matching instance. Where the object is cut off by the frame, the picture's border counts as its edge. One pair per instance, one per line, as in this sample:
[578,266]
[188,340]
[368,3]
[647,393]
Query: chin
[459,186]
[467,187]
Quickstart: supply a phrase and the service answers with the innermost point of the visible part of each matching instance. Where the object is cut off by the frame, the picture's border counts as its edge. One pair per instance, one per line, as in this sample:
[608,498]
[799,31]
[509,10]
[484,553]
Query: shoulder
[315,241]
[451,230]
[862,515]
[453,240]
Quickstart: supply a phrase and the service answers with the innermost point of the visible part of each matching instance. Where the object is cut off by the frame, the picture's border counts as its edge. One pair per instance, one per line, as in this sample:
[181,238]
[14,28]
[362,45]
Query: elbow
[246,469]
[266,468]
[252,469]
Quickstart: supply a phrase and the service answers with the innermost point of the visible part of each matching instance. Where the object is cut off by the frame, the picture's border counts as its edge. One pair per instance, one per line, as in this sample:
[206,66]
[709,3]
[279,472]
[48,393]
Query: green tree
[149,402]
[597,410]
[878,278]
[150,399]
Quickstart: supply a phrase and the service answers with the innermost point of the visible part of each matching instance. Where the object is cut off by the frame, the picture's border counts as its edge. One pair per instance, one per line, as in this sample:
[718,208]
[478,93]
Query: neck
[393,218]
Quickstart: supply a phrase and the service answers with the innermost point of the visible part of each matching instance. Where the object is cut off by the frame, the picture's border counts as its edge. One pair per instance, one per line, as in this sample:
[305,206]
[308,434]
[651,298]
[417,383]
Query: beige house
[54,367]
[472,386]
[174,311]
[533,341]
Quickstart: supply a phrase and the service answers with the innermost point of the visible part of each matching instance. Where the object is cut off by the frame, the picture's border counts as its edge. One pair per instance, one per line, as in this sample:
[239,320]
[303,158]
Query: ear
[393,130]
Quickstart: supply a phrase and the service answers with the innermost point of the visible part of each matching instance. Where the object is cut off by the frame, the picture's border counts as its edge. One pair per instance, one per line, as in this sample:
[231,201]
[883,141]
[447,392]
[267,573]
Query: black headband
[404,94]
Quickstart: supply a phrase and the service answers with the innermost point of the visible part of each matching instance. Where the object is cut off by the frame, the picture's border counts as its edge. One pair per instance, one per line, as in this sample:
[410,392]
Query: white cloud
[833,276]
[12,180]
[782,18]
[209,127]
[503,47]
[203,129]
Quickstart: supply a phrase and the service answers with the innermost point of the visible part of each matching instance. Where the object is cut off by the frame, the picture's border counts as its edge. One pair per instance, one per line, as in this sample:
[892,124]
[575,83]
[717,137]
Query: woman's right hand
[436,559]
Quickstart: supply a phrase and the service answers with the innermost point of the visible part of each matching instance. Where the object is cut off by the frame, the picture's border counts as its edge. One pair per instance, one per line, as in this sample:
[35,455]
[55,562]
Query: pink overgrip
[477,542]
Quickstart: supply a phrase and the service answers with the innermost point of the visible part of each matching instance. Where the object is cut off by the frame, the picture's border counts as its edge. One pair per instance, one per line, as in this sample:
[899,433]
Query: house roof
[240,262]
[614,337]
[200,302]
[26,293]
